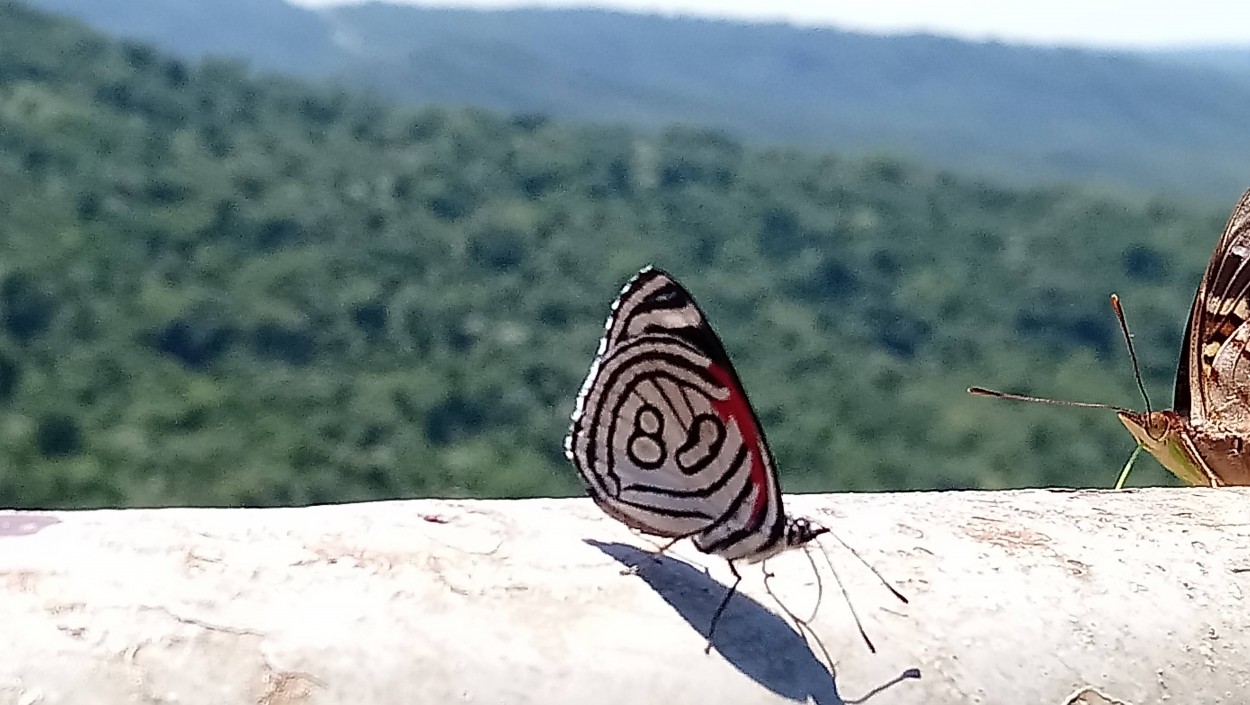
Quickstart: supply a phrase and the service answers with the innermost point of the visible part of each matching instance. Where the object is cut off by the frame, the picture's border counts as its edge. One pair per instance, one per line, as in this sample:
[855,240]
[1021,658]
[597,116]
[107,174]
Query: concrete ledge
[1016,597]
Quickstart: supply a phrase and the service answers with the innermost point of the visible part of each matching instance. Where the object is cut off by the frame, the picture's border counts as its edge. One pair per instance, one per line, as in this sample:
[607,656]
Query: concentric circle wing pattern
[663,434]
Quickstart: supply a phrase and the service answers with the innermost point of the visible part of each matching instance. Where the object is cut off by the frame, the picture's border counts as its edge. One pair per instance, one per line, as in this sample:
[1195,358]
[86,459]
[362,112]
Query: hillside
[1019,113]
[1233,59]
[219,289]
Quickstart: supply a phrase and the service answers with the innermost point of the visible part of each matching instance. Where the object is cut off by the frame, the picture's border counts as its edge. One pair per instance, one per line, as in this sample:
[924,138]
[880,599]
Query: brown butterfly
[1203,439]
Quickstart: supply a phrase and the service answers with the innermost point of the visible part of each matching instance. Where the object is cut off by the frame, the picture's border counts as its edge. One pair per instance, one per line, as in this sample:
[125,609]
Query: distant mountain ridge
[1161,121]
[1234,59]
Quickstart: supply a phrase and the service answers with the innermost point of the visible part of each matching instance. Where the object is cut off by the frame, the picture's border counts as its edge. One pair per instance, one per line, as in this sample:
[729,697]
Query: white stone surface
[1015,597]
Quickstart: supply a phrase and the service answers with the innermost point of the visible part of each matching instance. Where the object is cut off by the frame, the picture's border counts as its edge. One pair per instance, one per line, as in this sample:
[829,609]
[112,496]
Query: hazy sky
[1108,23]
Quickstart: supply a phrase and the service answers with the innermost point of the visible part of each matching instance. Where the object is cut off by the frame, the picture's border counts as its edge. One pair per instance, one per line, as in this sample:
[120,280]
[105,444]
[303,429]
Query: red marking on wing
[435,519]
[735,409]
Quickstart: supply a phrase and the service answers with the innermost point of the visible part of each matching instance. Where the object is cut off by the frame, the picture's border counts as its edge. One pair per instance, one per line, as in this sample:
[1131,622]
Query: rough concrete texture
[1032,597]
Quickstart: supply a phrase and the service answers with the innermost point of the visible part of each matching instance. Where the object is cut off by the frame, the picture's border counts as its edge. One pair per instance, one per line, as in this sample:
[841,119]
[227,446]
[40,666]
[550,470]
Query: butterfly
[665,440]
[1202,439]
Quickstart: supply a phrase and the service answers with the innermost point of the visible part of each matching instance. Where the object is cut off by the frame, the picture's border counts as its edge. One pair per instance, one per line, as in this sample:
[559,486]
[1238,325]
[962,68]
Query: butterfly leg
[668,545]
[711,630]
[768,576]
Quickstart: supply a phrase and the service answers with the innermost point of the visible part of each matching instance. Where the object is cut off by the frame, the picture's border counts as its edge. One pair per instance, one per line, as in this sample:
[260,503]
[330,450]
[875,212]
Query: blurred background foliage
[225,288]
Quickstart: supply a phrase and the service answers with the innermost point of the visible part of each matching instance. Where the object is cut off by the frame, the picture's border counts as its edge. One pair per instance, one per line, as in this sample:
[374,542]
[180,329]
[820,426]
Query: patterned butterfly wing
[663,435]
[1213,381]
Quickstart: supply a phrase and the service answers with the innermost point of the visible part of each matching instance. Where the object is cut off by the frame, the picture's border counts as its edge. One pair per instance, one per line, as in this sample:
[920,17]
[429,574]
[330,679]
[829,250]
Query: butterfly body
[664,437]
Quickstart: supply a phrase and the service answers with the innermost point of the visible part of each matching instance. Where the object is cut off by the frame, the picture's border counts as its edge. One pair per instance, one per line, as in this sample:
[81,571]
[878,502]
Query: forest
[227,288]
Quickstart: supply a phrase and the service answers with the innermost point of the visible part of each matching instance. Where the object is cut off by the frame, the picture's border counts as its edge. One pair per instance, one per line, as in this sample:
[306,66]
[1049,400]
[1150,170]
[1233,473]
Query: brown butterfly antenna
[983,392]
[1141,386]
[1132,354]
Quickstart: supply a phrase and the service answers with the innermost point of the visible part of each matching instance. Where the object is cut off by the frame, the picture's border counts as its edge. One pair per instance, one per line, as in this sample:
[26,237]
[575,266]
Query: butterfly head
[1163,435]
[1151,429]
[801,530]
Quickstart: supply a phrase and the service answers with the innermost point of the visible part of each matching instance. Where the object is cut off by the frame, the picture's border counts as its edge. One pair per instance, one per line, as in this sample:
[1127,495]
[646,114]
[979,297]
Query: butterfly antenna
[905,675]
[1132,354]
[868,565]
[983,392]
[846,596]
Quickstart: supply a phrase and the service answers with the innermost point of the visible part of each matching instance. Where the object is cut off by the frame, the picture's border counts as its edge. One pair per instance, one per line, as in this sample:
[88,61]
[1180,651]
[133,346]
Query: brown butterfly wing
[1213,379]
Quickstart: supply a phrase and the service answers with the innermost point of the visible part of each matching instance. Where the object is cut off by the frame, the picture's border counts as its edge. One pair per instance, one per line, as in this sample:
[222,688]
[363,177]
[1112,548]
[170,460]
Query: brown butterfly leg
[711,630]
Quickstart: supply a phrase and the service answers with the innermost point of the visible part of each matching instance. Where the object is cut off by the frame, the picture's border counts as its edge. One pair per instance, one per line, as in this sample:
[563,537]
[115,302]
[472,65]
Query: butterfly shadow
[757,641]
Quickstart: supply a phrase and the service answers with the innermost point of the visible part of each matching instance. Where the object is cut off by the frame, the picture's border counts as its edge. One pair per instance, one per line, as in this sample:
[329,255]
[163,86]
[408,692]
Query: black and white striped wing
[663,434]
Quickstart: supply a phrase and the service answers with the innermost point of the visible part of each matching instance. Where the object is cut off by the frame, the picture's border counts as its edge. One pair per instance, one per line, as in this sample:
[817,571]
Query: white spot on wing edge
[584,391]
